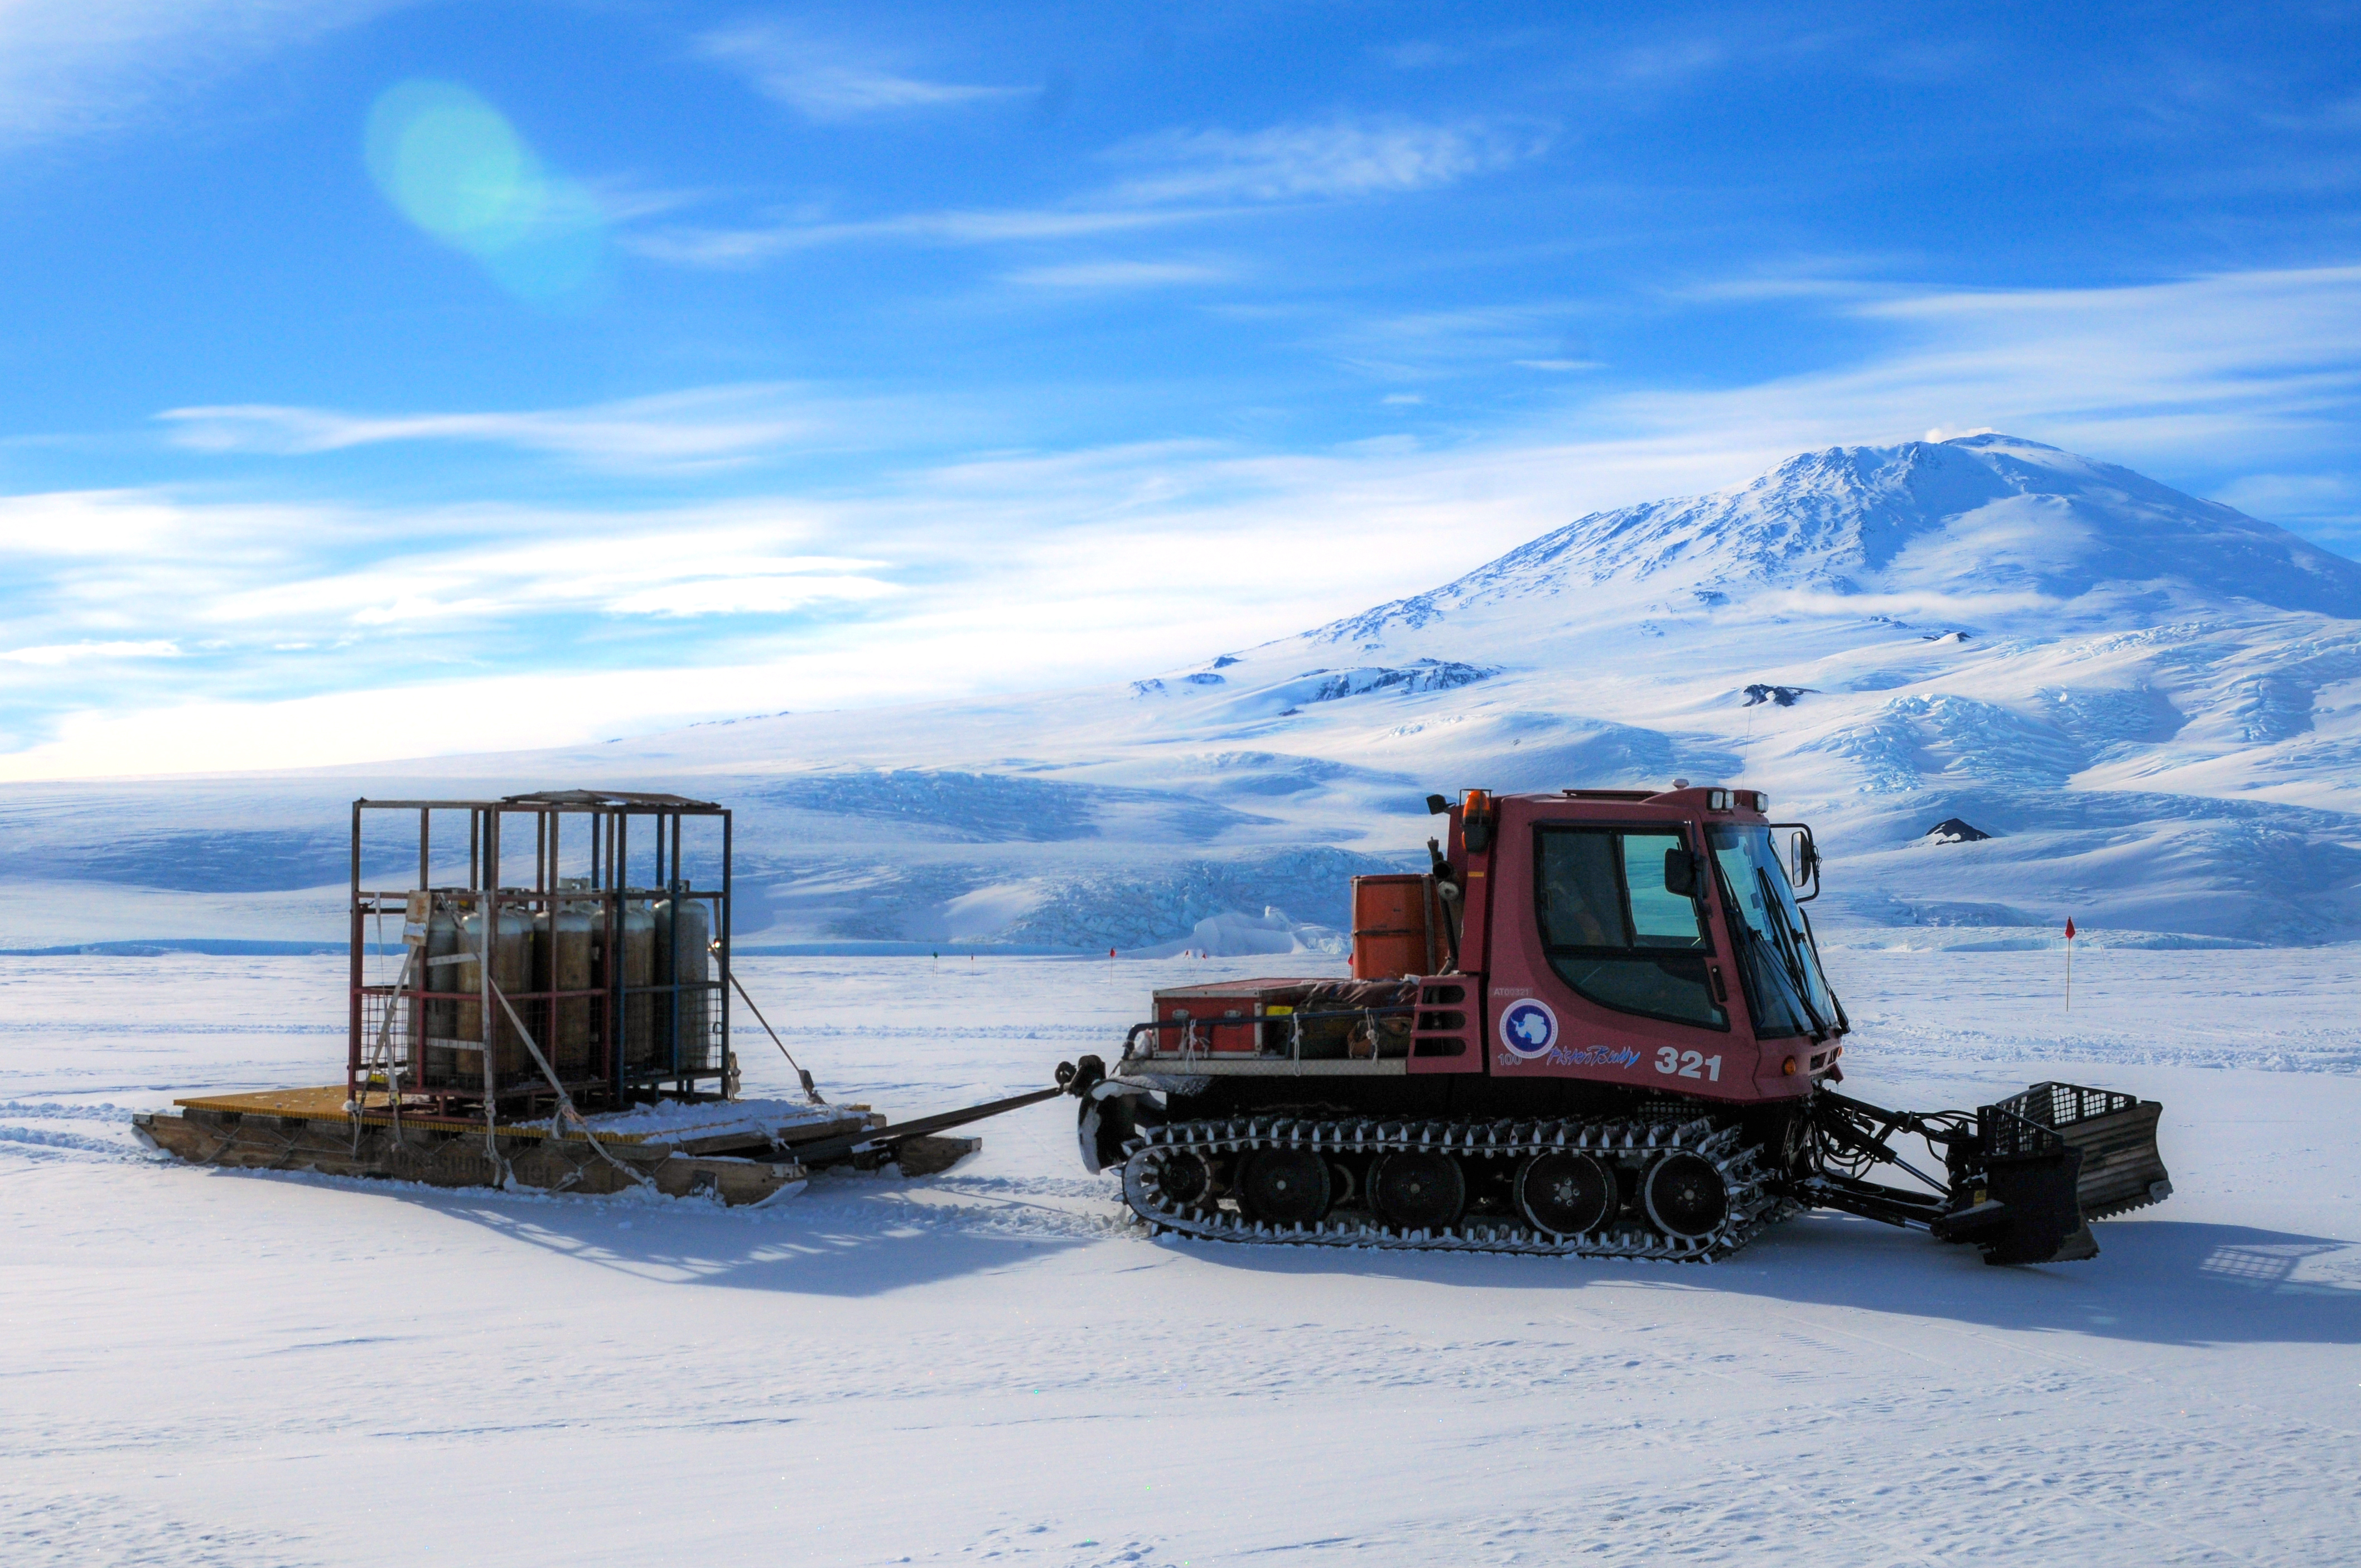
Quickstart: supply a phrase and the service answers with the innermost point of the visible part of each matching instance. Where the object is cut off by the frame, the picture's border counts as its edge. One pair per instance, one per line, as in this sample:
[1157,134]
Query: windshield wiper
[1844,1025]
[1755,947]
[1788,955]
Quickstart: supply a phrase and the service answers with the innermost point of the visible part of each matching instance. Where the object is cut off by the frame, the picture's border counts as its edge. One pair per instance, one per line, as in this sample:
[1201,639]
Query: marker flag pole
[2069,963]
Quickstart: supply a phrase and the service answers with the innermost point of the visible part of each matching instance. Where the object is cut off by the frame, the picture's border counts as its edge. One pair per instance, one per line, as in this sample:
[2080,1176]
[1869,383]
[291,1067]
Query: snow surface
[2152,701]
[211,1367]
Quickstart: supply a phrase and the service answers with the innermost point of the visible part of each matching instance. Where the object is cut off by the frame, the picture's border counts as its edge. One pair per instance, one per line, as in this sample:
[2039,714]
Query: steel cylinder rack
[608,970]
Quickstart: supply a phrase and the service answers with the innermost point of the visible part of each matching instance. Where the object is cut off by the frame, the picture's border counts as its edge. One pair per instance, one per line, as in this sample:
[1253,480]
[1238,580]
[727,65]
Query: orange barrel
[1393,930]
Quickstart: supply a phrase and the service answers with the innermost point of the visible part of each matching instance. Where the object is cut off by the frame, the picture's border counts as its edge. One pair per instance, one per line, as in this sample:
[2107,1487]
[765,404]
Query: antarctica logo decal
[1528,1028]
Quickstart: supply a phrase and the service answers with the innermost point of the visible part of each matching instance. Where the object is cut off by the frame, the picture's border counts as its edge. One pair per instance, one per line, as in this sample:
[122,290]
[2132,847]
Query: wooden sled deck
[518,999]
[310,1129]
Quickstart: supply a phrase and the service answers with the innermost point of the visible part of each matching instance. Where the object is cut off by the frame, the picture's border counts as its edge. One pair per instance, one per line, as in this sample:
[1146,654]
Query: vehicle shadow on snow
[2160,1281]
[843,1236]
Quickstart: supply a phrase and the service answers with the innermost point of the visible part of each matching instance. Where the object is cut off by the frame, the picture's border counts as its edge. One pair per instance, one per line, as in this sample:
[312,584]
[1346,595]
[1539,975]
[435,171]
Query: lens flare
[452,164]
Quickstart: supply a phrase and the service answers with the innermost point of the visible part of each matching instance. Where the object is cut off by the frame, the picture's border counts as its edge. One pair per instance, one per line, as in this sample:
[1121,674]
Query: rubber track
[1751,1204]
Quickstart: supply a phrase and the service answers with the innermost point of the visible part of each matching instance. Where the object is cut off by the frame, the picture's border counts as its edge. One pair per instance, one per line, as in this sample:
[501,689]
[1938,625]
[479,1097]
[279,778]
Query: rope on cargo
[355,1096]
[811,1092]
[565,1101]
[355,1106]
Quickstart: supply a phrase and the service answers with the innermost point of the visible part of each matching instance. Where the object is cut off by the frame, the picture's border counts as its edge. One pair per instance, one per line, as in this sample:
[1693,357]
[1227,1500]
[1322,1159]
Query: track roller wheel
[1685,1196]
[1565,1193]
[1416,1190]
[1283,1187]
[1183,1180]
[1795,1159]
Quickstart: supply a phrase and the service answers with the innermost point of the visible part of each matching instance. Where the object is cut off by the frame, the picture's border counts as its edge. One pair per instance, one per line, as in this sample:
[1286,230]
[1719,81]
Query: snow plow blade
[2116,1135]
[2028,1212]
[2027,1175]
[2055,1157]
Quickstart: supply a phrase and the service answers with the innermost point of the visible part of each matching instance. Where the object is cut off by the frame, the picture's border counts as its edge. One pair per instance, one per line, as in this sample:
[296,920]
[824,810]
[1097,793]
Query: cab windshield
[1777,958]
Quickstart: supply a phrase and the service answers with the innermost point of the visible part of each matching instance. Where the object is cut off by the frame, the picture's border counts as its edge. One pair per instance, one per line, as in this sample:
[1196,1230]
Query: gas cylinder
[684,926]
[562,962]
[639,969]
[442,944]
[512,965]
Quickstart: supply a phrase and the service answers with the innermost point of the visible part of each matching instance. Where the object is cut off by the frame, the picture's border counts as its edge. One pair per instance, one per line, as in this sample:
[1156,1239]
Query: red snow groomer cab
[1599,1026]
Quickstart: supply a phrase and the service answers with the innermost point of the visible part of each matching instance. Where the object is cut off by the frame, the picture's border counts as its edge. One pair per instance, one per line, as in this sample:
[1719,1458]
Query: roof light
[1717,800]
[1475,821]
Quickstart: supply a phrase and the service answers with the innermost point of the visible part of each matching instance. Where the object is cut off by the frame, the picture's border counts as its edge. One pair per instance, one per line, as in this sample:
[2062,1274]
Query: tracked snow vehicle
[1598,1026]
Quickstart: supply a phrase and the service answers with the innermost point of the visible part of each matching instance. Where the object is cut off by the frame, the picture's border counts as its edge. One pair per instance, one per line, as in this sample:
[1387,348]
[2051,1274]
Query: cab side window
[1614,931]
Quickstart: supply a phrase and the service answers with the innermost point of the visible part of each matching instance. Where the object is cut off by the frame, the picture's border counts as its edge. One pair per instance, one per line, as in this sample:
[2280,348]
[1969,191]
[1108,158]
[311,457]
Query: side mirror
[1681,874]
[1803,861]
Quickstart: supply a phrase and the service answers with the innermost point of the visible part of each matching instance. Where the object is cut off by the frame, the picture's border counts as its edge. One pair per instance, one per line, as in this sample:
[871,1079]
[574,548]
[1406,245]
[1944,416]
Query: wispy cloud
[1118,275]
[76,65]
[1674,59]
[247,585]
[828,80]
[84,523]
[80,652]
[700,428]
[726,247]
[1463,48]
[2296,499]
[1777,286]
[1175,176]
[622,198]
[682,563]
[1329,160]
[1417,344]
[2246,364]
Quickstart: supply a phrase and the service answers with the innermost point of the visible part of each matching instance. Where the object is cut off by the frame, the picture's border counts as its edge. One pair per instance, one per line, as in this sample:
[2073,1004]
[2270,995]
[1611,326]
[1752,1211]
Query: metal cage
[614,982]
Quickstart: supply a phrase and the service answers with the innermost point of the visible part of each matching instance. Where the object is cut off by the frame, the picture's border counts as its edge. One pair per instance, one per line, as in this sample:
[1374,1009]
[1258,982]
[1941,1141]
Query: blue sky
[565,370]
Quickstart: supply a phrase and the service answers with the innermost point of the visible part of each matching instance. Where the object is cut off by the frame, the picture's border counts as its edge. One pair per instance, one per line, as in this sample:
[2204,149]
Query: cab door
[1604,965]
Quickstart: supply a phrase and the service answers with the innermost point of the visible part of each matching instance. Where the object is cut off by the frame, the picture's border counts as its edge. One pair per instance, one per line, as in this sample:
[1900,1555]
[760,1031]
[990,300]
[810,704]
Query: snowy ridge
[1987,510]
[2151,701]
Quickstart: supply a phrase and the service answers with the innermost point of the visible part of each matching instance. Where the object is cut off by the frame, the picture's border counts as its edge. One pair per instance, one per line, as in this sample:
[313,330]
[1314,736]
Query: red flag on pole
[2070,927]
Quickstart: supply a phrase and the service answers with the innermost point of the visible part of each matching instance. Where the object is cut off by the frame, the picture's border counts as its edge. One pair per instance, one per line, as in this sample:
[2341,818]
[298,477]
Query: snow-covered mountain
[1985,516]
[2152,702]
